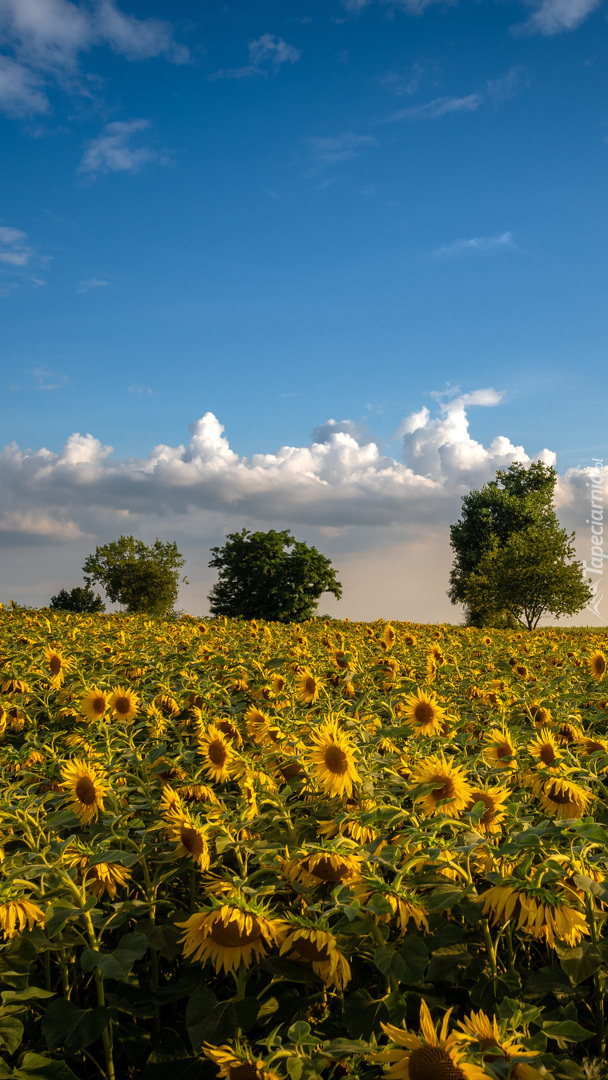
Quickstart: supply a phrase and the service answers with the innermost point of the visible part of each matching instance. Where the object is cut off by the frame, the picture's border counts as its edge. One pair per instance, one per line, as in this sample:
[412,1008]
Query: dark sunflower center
[245,1071]
[309,686]
[547,754]
[336,760]
[599,665]
[230,936]
[490,812]
[192,840]
[433,1063]
[591,746]
[122,705]
[446,791]
[424,713]
[99,705]
[85,790]
[559,797]
[227,727]
[55,664]
[311,952]
[324,870]
[217,752]
[504,750]
[289,771]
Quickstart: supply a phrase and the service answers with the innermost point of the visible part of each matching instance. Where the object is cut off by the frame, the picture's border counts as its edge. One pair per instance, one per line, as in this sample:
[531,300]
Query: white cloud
[443,106]
[508,85]
[556,16]
[266,54]
[140,390]
[111,151]
[91,283]
[480,244]
[35,526]
[19,260]
[412,7]
[21,90]
[328,150]
[46,379]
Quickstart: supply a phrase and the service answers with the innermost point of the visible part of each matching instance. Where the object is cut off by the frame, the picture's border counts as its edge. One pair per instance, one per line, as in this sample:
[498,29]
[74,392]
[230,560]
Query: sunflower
[102,877]
[569,732]
[57,665]
[597,666]
[217,752]
[389,636]
[87,785]
[319,948]
[94,703]
[493,799]
[545,748]
[324,867]
[540,714]
[230,934]
[544,914]
[260,727]
[15,915]
[404,904]
[561,798]
[190,837]
[198,793]
[237,1063]
[307,688]
[450,792]
[333,760]
[425,713]
[435,1056]
[594,746]
[124,703]
[500,751]
[478,1028]
[351,825]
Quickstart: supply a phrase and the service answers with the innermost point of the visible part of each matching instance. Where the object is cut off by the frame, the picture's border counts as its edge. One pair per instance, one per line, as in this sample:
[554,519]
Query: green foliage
[81,599]
[143,578]
[269,575]
[513,563]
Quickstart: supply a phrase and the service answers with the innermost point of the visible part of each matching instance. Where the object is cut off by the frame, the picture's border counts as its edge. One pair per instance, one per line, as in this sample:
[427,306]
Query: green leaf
[444,897]
[220,1023]
[449,966]
[65,1025]
[117,964]
[568,1030]
[294,1067]
[299,1031]
[29,993]
[11,1033]
[57,915]
[363,1015]
[115,855]
[549,980]
[38,1067]
[579,963]
[414,955]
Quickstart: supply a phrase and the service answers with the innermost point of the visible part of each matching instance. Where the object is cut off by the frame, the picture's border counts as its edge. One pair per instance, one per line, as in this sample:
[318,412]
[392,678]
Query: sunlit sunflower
[101,877]
[15,915]
[352,824]
[333,760]
[124,704]
[402,903]
[500,751]
[230,935]
[216,750]
[425,713]
[389,636]
[478,1028]
[450,791]
[277,681]
[94,703]
[57,664]
[561,798]
[590,746]
[198,793]
[317,947]
[308,687]
[433,1056]
[493,799]
[87,784]
[324,867]
[190,837]
[545,748]
[540,714]
[237,1062]
[569,732]
[597,666]
[260,727]
[539,911]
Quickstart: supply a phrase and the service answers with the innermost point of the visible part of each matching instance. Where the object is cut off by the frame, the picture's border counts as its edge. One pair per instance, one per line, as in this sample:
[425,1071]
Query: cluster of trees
[513,563]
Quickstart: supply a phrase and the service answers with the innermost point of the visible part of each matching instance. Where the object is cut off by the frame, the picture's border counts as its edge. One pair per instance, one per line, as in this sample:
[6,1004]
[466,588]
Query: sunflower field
[308,852]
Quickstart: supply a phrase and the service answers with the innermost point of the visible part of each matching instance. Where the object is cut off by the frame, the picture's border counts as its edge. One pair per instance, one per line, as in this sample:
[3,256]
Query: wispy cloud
[21,90]
[45,379]
[19,260]
[404,83]
[411,7]
[140,390]
[556,16]
[507,86]
[328,150]
[91,283]
[112,151]
[266,55]
[477,244]
[442,106]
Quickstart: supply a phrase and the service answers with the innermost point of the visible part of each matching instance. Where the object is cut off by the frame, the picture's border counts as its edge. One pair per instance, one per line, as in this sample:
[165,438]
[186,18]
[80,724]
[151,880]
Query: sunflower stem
[487,937]
[600,1029]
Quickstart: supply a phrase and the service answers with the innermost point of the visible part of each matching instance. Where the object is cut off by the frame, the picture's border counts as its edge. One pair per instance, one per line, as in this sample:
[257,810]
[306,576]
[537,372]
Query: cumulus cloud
[266,54]
[34,526]
[47,38]
[112,151]
[556,16]
[477,244]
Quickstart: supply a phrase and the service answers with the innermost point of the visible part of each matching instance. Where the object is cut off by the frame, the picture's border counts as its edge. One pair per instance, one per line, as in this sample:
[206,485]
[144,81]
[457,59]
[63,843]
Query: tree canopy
[143,578]
[513,562]
[270,575]
[80,599]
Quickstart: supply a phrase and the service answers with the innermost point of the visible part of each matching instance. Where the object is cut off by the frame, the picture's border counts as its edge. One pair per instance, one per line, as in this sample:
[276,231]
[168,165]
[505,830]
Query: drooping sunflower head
[237,1062]
[541,912]
[260,727]
[17,912]
[448,792]
[333,759]
[389,636]
[425,713]
[191,838]
[597,666]
[229,934]
[541,715]
[326,866]
[124,704]
[86,784]
[316,945]
[561,798]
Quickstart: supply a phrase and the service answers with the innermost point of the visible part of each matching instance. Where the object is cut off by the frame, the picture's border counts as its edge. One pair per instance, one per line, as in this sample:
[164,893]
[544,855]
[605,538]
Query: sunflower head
[597,666]
[333,759]
[86,784]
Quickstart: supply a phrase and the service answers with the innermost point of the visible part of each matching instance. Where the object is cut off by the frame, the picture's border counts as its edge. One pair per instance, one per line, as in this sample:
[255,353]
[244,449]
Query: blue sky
[280,213]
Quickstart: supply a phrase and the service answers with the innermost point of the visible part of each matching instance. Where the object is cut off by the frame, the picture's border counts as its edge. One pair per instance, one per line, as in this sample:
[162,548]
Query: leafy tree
[513,562]
[143,578]
[81,599]
[269,575]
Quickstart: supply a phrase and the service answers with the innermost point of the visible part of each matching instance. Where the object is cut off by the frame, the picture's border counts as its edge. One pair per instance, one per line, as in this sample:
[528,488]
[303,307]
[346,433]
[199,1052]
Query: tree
[513,561]
[143,578]
[81,599]
[269,575]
